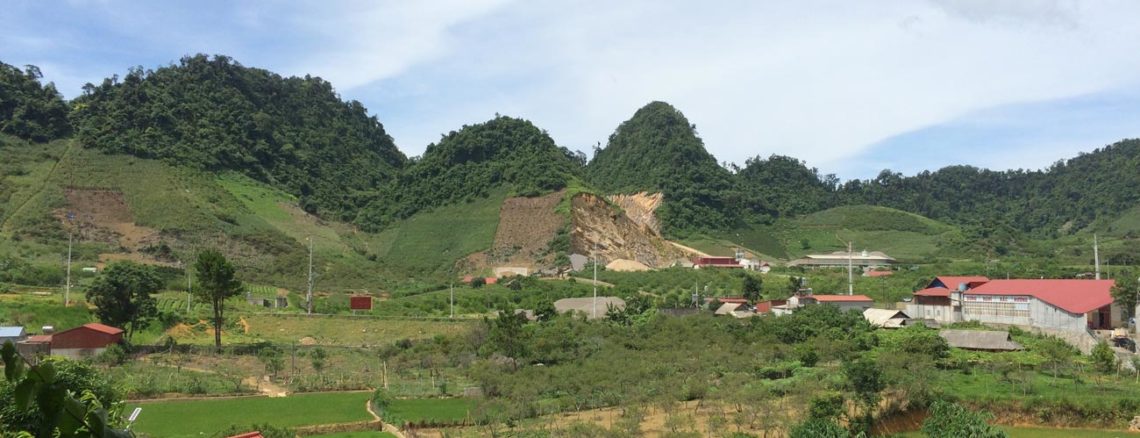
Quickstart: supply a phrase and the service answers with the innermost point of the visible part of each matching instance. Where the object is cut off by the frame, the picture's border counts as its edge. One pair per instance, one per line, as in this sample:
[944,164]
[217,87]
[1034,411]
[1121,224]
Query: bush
[818,428]
[1103,358]
[950,420]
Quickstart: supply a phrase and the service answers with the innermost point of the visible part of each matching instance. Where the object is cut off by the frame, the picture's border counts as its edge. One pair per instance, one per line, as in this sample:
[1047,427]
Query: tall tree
[751,287]
[29,109]
[216,283]
[121,295]
[1125,290]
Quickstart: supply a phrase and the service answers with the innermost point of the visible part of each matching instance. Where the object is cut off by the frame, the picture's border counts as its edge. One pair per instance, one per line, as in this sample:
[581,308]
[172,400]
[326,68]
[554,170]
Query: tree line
[297,134]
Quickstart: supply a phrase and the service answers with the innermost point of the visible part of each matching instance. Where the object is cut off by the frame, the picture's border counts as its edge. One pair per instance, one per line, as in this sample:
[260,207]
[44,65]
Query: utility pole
[850,270]
[67,287]
[189,289]
[595,305]
[850,267]
[309,296]
[1096,256]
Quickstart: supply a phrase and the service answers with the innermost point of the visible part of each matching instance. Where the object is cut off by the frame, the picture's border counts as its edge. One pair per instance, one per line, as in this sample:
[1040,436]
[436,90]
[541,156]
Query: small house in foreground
[983,340]
[886,318]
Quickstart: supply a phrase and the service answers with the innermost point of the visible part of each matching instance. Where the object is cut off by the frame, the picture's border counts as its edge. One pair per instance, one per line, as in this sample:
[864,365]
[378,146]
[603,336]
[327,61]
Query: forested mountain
[28,109]
[784,186]
[502,153]
[659,150]
[213,113]
[1068,196]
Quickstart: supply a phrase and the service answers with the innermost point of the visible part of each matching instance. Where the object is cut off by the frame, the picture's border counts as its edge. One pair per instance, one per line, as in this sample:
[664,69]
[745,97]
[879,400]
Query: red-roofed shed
[85,341]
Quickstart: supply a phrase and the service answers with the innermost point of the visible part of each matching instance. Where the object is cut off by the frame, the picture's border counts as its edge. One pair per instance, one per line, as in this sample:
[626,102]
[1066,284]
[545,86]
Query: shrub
[1103,358]
[950,420]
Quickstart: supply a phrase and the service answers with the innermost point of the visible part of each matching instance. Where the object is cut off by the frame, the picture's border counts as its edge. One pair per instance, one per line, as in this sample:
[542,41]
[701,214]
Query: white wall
[942,314]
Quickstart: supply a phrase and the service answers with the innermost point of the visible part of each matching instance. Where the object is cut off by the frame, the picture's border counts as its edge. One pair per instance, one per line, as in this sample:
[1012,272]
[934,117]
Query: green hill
[657,150]
[501,155]
[212,113]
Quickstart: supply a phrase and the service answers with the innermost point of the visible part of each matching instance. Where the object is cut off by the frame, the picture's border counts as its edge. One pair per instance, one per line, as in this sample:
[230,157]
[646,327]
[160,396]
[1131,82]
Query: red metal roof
[933,292]
[842,298]
[103,328]
[952,282]
[879,273]
[1074,296]
[254,434]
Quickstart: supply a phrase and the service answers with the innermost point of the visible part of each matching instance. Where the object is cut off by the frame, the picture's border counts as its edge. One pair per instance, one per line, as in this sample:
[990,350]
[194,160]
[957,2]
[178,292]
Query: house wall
[82,338]
[845,306]
[1020,311]
[77,353]
[940,313]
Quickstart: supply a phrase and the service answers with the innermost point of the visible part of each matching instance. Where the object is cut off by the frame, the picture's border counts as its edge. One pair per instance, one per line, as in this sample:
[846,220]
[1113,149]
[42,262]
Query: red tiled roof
[841,298]
[879,273]
[933,292]
[1074,296]
[952,282]
[103,328]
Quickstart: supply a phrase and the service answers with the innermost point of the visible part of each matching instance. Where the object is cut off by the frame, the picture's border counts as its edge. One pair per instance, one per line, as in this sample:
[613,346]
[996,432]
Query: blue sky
[849,87]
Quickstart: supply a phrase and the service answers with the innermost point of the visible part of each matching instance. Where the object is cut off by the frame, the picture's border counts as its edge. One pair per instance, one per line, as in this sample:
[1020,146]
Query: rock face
[641,207]
[617,235]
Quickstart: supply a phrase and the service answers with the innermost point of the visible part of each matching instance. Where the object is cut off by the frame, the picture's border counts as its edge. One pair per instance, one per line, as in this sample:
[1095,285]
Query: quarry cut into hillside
[641,208]
[618,235]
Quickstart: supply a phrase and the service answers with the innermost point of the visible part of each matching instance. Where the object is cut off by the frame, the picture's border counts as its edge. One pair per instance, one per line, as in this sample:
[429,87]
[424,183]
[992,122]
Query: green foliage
[950,420]
[752,287]
[658,150]
[122,296]
[473,163]
[317,358]
[41,399]
[865,379]
[28,109]
[784,187]
[213,113]
[1103,358]
[917,339]
[818,428]
[1125,291]
[827,406]
[272,359]
[216,283]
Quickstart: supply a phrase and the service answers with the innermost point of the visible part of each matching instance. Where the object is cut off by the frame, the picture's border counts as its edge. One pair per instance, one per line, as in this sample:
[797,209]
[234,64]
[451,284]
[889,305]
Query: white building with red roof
[1069,305]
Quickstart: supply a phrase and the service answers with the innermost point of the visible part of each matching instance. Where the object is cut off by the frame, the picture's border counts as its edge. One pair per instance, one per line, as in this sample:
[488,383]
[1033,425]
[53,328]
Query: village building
[1067,305]
[80,342]
[13,334]
[843,302]
[980,340]
[886,318]
[736,310]
[1070,305]
[841,259]
[586,306]
[716,262]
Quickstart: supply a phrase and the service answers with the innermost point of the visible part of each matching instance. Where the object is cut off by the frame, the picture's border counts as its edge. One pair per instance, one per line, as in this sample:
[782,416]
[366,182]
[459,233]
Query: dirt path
[266,387]
[385,426]
[689,249]
[47,179]
[580,280]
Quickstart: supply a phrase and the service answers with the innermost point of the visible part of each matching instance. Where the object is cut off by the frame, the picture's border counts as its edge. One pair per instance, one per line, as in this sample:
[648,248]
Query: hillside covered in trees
[215,114]
[296,134]
[658,150]
[502,153]
[30,109]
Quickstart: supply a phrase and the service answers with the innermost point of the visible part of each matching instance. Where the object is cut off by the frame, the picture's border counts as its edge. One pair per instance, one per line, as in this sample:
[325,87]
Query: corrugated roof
[990,340]
[1074,296]
[883,317]
[103,328]
[11,332]
[952,281]
[933,292]
[727,308]
[842,298]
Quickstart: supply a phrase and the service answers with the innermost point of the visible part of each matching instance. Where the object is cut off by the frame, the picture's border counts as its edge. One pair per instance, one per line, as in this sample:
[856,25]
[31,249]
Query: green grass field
[175,419]
[438,409]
